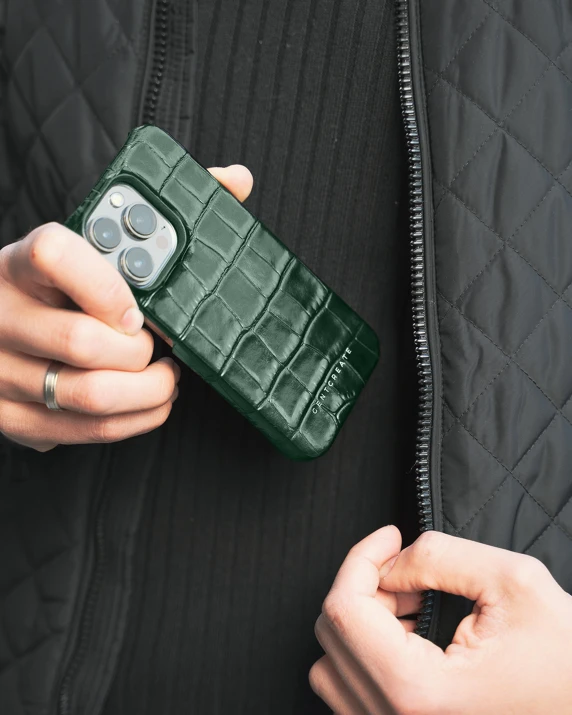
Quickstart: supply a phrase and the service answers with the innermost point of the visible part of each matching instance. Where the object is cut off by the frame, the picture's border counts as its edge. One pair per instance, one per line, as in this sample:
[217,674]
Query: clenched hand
[107,388]
[513,654]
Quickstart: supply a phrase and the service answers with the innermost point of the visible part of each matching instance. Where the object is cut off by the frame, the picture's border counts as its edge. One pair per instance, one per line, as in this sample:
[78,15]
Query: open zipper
[419,290]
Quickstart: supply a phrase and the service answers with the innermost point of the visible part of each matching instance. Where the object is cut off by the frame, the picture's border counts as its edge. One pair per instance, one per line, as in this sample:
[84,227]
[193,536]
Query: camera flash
[162,242]
[116,200]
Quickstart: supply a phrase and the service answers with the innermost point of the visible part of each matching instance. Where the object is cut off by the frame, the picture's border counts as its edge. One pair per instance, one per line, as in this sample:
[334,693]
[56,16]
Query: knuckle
[110,283]
[47,245]
[166,384]
[524,572]
[336,610]
[429,544]
[78,341]
[145,351]
[105,430]
[317,677]
[163,413]
[89,395]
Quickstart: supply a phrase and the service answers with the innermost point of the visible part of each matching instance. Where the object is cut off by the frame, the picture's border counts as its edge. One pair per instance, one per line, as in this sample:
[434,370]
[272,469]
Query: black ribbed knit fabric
[238,545]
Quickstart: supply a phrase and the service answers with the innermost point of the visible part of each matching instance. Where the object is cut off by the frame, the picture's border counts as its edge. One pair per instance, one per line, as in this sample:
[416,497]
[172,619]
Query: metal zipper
[160,43]
[418,290]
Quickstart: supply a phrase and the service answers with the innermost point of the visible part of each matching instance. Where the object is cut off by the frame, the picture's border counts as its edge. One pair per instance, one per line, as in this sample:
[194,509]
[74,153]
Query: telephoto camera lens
[140,220]
[137,264]
[105,234]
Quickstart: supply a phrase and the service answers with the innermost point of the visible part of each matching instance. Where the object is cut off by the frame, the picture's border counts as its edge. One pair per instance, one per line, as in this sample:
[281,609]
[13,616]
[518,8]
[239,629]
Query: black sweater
[238,546]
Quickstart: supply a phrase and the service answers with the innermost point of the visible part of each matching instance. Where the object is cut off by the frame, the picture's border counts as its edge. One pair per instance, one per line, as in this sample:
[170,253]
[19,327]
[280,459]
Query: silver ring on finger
[50,382]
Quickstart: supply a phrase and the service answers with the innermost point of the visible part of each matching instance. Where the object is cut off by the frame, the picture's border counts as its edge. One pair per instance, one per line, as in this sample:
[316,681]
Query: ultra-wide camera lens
[105,234]
[140,220]
[137,264]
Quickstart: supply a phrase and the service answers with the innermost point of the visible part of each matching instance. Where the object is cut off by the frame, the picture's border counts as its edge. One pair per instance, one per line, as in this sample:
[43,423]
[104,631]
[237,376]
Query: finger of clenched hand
[384,648]
[53,257]
[97,392]
[482,573]
[28,326]
[23,422]
[236,178]
[327,683]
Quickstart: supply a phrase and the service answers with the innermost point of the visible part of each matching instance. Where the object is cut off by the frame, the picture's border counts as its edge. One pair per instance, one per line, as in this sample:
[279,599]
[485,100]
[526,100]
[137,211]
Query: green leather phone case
[242,311]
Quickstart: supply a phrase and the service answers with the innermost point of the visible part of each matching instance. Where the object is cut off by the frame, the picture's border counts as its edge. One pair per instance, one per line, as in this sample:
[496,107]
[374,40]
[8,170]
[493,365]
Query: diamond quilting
[509,417]
[545,469]
[553,548]
[84,56]
[32,71]
[550,29]
[504,270]
[550,102]
[54,65]
[503,162]
[451,112]
[478,475]
[450,29]
[544,240]
[471,362]
[521,297]
[550,368]
[496,59]
[473,252]
[490,525]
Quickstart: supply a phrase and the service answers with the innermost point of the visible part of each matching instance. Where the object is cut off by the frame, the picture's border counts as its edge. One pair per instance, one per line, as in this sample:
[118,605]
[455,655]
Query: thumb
[441,562]
[236,178]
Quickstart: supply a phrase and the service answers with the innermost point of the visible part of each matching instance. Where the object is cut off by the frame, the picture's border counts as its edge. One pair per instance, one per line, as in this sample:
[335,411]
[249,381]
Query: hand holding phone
[240,308]
[107,387]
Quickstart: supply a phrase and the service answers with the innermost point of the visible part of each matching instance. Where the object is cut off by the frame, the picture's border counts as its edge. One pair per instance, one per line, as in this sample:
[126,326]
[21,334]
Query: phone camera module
[140,220]
[137,264]
[105,234]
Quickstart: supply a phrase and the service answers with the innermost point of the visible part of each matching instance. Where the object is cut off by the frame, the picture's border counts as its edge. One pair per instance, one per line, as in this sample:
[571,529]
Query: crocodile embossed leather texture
[241,309]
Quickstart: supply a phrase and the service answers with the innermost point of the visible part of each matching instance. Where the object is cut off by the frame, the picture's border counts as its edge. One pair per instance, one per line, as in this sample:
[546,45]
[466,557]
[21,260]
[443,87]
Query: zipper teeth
[418,289]
[160,35]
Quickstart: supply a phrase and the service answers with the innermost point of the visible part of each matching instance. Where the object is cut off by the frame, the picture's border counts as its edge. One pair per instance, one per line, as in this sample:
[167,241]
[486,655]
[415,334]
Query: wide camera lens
[105,234]
[141,220]
[137,264]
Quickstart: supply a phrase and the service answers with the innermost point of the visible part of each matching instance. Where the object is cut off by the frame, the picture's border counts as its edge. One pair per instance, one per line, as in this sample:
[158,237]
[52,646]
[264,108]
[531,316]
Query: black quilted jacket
[486,89]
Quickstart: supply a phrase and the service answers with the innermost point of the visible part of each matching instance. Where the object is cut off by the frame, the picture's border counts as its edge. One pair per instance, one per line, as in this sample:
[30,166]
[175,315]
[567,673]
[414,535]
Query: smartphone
[236,305]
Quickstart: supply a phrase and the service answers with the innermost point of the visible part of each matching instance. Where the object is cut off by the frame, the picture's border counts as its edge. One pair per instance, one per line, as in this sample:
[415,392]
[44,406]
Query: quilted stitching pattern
[499,104]
[53,84]
[40,570]
[58,130]
[243,311]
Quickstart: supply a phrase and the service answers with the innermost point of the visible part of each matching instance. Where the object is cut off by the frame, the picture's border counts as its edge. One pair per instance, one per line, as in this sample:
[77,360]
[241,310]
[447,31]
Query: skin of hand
[512,654]
[106,387]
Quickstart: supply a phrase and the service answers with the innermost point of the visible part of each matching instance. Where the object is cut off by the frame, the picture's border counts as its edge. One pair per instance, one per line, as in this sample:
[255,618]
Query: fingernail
[387,566]
[175,393]
[177,371]
[132,321]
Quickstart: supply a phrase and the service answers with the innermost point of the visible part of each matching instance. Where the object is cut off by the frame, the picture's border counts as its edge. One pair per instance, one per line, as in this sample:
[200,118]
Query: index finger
[368,629]
[53,256]
[359,573]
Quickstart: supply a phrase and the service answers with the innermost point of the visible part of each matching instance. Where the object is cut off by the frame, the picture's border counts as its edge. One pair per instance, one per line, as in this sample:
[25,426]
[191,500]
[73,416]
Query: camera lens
[137,264]
[140,220]
[105,234]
